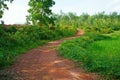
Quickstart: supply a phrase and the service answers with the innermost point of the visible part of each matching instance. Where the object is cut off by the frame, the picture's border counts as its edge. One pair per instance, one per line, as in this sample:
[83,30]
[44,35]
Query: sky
[18,9]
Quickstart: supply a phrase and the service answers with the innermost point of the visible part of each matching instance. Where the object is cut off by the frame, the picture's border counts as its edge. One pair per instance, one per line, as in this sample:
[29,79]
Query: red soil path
[43,63]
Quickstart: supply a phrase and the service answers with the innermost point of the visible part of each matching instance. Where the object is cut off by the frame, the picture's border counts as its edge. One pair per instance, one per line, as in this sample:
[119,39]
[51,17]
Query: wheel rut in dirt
[43,63]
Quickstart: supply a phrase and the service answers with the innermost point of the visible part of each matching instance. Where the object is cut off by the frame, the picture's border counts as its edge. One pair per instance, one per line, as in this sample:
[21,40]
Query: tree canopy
[3,6]
[40,12]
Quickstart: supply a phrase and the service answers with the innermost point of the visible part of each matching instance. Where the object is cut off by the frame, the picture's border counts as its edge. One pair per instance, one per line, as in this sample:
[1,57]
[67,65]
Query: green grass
[105,56]
[99,53]
[8,56]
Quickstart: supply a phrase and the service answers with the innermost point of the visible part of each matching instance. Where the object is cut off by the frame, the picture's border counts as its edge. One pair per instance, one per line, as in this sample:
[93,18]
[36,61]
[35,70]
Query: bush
[11,29]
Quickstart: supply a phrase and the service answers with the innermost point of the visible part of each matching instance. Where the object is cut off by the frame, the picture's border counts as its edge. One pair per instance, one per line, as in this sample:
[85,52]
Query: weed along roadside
[13,43]
[43,63]
[98,53]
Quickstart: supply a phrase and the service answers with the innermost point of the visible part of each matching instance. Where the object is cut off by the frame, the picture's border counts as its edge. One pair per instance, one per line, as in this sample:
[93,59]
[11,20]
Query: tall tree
[40,12]
[3,6]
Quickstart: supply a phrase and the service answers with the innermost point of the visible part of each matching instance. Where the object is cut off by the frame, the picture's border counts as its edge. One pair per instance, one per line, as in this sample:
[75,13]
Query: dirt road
[43,63]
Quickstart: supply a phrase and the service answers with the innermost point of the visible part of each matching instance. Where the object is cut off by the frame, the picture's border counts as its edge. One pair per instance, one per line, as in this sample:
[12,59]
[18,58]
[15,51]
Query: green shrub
[11,29]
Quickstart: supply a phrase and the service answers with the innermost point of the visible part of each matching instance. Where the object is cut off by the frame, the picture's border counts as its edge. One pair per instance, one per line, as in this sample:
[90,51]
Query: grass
[99,53]
[105,57]
[8,56]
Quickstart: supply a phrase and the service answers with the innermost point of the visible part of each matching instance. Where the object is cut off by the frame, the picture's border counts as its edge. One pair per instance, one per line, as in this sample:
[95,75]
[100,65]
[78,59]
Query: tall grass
[98,53]
[105,57]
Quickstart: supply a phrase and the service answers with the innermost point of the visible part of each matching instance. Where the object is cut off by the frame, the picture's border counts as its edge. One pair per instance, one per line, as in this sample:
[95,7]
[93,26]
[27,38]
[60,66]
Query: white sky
[18,9]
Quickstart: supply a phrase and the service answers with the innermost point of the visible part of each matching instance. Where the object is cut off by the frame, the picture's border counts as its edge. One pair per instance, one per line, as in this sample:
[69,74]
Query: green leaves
[40,12]
[3,6]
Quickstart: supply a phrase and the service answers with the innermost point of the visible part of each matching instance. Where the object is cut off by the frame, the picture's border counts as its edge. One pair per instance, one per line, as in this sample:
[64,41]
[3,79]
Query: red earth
[43,63]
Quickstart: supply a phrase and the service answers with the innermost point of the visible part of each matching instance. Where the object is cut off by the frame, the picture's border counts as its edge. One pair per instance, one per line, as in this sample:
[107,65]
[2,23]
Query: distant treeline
[99,22]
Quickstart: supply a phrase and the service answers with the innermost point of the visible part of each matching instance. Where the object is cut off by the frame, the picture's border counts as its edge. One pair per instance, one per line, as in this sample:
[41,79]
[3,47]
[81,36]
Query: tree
[3,6]
[40,12]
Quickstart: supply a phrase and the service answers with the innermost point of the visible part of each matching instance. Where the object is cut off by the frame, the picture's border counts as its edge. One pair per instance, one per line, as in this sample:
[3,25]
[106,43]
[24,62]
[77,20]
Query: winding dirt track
[43,63]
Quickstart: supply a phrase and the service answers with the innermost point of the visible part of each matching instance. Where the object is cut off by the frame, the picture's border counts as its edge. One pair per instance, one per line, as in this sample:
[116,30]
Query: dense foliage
[3,6]
[40,12]
[15,41]
[101,22]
